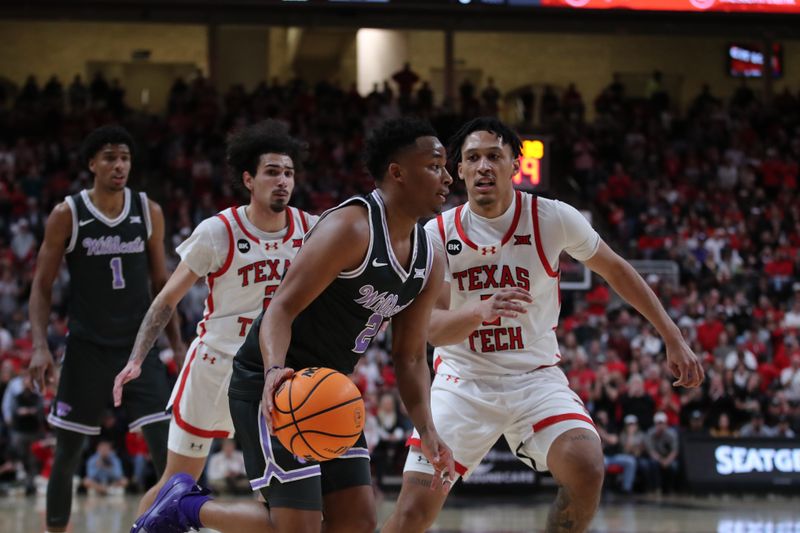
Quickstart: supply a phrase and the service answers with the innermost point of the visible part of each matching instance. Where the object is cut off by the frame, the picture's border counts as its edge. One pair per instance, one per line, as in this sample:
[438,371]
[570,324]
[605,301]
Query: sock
[191,503]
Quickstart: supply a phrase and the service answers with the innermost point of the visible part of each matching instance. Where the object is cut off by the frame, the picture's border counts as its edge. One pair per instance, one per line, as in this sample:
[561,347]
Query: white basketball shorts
[199,402]
[531,410]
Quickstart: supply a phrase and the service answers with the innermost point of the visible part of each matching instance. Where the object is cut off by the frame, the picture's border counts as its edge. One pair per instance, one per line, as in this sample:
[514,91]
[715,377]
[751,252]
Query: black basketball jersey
[109,291]
[339,325]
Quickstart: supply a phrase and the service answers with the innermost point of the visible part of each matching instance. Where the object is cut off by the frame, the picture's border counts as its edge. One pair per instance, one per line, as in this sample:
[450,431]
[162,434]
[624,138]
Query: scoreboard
[534,164]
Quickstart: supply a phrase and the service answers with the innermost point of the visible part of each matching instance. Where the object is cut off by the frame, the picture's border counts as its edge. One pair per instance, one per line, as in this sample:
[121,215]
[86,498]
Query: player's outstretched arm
[157,316]
[158,277]
[624,279]
[409,334]
[57,234]
[338,243]
[451,326]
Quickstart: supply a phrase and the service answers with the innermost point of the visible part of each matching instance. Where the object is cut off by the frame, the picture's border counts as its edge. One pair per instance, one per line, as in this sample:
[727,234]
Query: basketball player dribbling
[243,253]
[113,242]
[494,327]
[366,261]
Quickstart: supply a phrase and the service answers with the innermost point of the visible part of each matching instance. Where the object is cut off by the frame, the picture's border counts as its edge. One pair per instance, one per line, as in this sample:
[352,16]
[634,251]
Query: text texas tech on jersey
[478,270]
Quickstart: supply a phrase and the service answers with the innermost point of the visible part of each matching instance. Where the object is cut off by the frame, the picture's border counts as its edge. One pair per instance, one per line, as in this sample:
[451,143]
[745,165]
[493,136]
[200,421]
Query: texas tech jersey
[109,290]
[478,270]
[339,325]
[250,275]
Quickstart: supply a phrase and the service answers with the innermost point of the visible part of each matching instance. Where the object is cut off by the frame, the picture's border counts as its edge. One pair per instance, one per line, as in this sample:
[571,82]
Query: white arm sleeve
[580,240]
[206,248]
[432,228]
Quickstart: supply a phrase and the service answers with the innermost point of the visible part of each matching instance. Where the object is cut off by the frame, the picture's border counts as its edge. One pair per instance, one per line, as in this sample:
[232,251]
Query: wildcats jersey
[525,256]
[249,276]
[338,326]
[109,290]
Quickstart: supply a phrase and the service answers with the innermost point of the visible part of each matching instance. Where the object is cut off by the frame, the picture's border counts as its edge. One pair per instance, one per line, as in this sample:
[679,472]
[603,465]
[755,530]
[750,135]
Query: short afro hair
[110,134]
[389,138]
[246,146]
[490,124]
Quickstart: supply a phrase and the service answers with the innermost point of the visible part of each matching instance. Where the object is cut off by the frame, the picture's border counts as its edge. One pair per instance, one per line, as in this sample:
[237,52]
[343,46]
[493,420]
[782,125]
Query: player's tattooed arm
[154,322]
[161,310]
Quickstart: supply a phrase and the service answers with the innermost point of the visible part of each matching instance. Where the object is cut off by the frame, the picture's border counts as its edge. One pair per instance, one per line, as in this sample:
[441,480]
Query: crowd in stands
[712,189]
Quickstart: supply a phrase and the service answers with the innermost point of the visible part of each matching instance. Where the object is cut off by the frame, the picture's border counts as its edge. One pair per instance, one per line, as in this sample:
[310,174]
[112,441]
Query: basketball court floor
[684,514]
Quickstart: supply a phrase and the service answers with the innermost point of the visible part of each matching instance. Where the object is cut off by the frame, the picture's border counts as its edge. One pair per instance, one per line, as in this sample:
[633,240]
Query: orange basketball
[318,414]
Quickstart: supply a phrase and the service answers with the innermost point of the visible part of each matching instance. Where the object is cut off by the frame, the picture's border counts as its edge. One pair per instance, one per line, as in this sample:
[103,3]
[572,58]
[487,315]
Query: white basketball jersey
[478,270]
[248,278]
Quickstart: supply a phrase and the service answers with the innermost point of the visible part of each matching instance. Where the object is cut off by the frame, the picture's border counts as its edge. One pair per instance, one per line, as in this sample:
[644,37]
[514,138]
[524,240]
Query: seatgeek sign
[743,463]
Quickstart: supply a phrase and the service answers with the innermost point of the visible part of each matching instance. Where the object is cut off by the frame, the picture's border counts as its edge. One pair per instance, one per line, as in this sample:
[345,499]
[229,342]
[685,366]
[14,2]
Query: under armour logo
[207,358]
[195,446]
[488,250]
[422,459]
[419,273]
[297,243]
[452,378]
[271,245]
[136,220]
[522,239]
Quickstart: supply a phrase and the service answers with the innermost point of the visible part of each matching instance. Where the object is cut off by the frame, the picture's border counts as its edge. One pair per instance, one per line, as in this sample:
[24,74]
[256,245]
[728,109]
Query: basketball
[318,414]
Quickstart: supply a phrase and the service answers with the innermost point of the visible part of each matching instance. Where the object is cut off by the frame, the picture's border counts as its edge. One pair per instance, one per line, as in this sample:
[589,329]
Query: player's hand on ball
[508,303]
[273,378]
[684,365]
[131,371]
[441,457]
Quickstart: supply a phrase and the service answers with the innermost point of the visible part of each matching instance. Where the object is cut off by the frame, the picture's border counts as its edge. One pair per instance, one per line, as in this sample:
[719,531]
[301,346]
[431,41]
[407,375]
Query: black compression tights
[69,446]
[156,436]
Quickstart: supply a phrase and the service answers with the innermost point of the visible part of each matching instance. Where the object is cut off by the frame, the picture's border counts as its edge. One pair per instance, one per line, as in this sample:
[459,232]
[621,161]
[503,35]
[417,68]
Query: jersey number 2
[269,291]
[118,280]
[370,330]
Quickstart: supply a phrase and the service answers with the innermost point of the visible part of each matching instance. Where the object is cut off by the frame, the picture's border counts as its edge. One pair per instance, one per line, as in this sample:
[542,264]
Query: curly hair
[489,124]
[109,134]
[246,146]
[388,139]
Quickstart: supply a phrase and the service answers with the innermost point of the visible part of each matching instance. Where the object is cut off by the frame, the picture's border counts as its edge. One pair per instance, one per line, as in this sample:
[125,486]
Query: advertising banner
[742,464]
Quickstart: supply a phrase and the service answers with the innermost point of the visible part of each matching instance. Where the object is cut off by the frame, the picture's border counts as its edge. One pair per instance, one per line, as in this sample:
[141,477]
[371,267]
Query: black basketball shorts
[86,383]
[283,479]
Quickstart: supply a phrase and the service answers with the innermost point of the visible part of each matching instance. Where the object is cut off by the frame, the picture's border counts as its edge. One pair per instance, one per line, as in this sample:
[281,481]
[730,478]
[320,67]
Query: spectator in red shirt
[580,376]
[619,184]
[615,365]
[598,299]
[709,330]
[139,454]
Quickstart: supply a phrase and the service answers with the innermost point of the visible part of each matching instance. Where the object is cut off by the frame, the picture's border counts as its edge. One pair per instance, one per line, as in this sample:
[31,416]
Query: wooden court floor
[684,514]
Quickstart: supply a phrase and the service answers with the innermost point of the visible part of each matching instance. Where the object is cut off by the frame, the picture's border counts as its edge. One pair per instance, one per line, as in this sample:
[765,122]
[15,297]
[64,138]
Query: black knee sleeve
[156,435]
[69,449]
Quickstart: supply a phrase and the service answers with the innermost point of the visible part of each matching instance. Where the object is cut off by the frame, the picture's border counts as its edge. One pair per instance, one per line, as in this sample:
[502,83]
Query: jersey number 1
[118,280]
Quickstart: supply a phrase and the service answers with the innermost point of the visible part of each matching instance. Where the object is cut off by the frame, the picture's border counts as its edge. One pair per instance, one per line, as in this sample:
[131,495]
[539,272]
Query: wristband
[270,369]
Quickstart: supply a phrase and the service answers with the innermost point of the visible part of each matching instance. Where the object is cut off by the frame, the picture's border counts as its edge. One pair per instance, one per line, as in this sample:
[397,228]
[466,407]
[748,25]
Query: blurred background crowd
[713,190]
